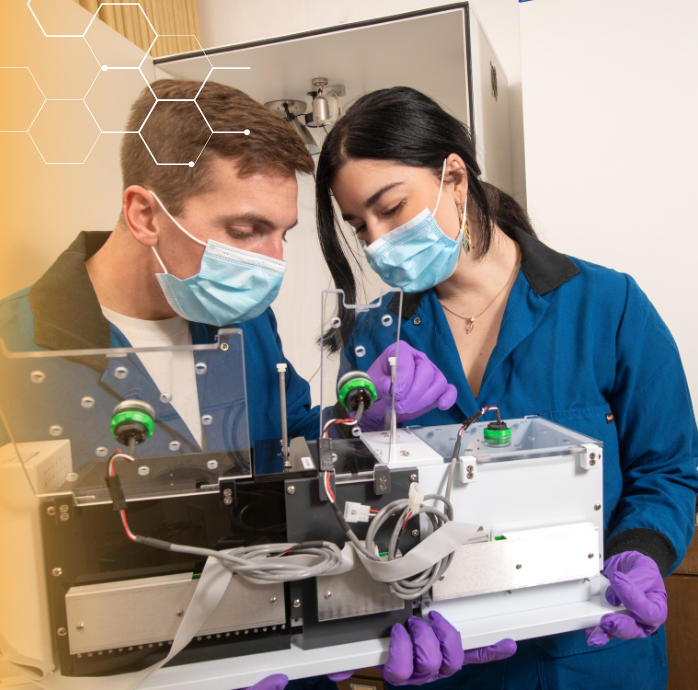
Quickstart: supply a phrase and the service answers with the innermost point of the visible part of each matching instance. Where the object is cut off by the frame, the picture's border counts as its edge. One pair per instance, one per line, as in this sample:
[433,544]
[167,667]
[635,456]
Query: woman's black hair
[402,125]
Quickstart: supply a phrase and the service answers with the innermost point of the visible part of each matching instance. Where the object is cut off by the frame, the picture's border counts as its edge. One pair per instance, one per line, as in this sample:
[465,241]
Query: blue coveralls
[581,345]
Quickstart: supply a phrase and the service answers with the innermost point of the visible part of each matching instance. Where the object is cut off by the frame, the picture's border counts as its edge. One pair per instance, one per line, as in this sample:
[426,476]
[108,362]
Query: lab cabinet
[682,623]
[442,51]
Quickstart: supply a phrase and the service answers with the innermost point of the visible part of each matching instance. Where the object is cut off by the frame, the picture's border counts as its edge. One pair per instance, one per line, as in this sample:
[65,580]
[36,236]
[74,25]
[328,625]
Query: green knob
[353,384]
[497,437]
[132,416]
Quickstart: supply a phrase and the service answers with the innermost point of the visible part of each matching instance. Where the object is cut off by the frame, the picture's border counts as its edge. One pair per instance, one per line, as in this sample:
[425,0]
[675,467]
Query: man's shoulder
[17,322]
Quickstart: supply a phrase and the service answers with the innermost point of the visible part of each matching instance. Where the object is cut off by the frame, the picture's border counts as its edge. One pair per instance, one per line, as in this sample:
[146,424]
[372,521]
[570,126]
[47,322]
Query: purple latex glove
[276,682]
[429,653]
[637,584]
[419,387]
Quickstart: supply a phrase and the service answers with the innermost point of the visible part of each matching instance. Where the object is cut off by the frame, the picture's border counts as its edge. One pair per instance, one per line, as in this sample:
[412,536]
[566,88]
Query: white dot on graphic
[191,164]
[104,68]
[247,131]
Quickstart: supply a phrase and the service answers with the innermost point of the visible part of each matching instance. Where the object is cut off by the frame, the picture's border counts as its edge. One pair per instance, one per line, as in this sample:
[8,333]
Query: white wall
[610,112]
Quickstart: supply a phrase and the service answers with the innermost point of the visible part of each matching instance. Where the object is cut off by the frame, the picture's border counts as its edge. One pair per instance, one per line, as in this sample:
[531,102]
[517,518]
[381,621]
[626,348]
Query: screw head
[64,508]
[227,492]
[224,347]
[591,555]
[597,506]
[442,578]
[592,462]
[404,453]
[296,603]
[80,626]
[592,456]
[416,321]
[180,613]
[291,490]
[470,468]
[62,632]
[51,510]
[328,595]
[65,517]
[227,500]
[470,475]
[272,600]
[413,477]
[415,532]
[518,566]
[57,572]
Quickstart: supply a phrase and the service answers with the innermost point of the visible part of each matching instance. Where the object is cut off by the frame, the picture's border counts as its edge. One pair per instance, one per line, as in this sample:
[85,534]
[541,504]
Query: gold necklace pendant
[471,325]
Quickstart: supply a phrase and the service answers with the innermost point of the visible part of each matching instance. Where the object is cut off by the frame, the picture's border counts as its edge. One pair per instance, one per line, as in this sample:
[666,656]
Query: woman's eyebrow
[373,199]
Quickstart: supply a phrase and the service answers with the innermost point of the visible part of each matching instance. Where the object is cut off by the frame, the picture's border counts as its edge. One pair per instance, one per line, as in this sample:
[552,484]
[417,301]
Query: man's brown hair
[175,131]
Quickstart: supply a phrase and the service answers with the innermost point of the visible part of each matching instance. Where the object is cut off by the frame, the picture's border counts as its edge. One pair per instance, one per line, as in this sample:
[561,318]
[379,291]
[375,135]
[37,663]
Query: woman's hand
[276,682]
[637,584]
[428,653]
[419,387]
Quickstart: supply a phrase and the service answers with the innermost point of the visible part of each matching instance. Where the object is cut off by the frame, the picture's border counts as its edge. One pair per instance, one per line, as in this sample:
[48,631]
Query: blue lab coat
[61,312]
[580,345]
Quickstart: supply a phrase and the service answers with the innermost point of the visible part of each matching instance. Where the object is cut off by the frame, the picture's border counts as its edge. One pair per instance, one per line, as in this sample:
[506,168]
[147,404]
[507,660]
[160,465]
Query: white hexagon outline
[26,131]
[91,115]
[105,68]
[108,69]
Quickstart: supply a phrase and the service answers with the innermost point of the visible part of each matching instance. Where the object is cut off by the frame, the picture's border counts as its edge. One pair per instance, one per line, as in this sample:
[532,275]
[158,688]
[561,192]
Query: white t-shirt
[172,372]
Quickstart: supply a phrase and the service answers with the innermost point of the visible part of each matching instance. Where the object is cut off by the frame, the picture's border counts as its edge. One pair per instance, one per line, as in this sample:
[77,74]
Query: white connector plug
[356,512]
[415,498]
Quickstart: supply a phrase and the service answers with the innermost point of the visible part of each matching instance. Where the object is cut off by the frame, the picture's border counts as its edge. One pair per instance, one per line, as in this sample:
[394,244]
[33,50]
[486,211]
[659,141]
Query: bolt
[291,490]
[415,532]
[518,566]
[224,347]
[591,555]
[65,517]
[56,572]
[328,595]
[597,506]
[228,500]
[592,462]
[51,510]
[296,603]
[413,477]
[272,600]
[404,453]
[62,632]
[180,613]
[470,468]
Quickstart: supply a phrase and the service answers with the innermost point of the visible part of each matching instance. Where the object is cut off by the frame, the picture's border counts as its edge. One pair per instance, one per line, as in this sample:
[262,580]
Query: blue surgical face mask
[417,255]
[232,286]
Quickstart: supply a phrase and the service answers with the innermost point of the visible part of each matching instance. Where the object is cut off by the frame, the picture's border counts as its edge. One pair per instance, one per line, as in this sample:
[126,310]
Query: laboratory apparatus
[164,540]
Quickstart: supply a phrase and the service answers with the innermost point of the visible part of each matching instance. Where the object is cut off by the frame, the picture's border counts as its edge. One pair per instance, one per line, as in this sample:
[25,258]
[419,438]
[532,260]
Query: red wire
[329,487]
[404,524]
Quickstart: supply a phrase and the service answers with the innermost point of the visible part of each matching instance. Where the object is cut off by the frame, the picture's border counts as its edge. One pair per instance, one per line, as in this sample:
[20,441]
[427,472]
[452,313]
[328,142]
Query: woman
[511,322]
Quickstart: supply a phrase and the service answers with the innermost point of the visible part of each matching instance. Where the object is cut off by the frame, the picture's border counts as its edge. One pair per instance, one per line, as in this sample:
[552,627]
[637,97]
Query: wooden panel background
[175,21]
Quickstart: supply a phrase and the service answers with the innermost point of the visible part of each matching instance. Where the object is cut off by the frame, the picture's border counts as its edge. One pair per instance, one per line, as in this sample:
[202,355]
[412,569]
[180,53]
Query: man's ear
[140,210]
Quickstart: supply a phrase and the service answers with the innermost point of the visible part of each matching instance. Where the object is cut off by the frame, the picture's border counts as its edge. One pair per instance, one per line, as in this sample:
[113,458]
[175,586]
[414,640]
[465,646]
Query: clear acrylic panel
[531,437]
[376,326]
[59,407]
